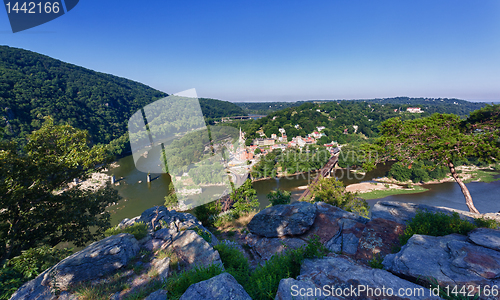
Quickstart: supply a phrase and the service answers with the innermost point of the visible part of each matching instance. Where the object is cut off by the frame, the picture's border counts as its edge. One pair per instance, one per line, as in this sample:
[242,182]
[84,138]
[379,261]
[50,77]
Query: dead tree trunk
[465,190]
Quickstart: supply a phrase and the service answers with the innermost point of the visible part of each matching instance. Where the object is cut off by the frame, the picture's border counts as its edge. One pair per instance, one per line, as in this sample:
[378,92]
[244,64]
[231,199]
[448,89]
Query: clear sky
[242,50]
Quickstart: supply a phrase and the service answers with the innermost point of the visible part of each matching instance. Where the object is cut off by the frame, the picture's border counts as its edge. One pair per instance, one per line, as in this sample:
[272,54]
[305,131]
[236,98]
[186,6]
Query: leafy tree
[332,191]
[439,138]
[36,207]
[279,197]
[245,198]
[171,199]
[257,151]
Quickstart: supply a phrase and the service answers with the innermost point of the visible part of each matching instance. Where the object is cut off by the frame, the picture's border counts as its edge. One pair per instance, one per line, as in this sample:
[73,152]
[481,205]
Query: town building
[414,110]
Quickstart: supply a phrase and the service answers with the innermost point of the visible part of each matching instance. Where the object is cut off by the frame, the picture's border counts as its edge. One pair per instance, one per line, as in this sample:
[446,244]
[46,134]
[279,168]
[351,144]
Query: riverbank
[466,173]
[375,190]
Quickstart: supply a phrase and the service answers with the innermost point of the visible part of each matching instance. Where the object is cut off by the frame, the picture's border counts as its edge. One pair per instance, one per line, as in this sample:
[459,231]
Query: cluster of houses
[267,145]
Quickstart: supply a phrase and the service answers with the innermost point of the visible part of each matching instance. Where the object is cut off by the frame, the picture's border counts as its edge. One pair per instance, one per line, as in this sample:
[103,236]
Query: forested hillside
[335,116]
[431,105]
[33,86]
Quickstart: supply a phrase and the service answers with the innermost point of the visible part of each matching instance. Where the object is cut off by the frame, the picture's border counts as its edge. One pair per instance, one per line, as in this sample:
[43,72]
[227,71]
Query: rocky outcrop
[489,238]
[220,287]
[340,278]
[354,241]
[192,250]
[94,262]
[340,232]
[281,220]
[158,295]
[263,248]
[401,212]
[452,260]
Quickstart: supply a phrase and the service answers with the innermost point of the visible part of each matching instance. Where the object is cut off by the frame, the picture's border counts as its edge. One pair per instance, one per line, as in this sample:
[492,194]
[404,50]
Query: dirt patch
[365,187]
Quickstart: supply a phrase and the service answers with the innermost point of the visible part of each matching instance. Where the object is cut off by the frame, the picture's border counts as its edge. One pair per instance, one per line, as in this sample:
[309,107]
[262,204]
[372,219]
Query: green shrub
[139,230]
[487,223]
[376,262]
[263,282]
[206,213]
[207,236]
[27,266]
[279,197]
[438,224]
[234,261]
[177,284]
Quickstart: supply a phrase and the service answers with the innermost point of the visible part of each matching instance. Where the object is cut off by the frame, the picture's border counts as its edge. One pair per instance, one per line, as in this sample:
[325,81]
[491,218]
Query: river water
[138,197]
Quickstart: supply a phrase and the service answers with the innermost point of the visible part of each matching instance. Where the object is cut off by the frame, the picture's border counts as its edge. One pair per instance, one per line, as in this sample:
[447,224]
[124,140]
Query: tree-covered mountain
[33,86]
[431,105]
[337,118]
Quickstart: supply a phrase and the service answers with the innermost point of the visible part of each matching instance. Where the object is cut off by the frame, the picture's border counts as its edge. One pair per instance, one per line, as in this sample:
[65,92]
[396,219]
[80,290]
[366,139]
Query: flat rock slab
[158,295]
[401,212]
[451,260]
[326,225]
[281,220]
[220,287]
[345,279]
[264,247]
[489,238]
[379,237]
[193,250]
[292,289]
[94,262]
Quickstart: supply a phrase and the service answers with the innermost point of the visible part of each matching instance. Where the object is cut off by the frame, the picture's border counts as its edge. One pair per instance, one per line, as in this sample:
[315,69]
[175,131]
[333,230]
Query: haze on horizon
[283,50]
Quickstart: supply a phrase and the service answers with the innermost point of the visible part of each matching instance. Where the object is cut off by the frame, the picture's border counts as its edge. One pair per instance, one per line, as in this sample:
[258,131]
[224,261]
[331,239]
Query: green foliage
[245,198]
[27,266]
[207,236]
[291,161]
[235,262]
[38,209]
[257,151]
[352,156]
[487,223]
[279,197]
[417,171]
[263,282]
[177,284]
[35,85]
[171,200]
[207,213]
[139,230]
[440,139]
[332,191]
[376,262]
[435,224]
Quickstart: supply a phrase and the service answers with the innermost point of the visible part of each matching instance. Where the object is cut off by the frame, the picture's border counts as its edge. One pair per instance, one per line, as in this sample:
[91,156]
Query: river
[138,197]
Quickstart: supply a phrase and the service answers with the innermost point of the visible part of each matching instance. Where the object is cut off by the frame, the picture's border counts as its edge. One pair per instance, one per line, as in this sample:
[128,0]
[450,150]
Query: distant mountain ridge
[432,105]
[33,85]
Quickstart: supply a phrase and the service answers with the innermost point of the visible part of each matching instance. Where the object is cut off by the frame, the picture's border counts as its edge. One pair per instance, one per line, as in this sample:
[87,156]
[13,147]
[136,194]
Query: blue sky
[282,50]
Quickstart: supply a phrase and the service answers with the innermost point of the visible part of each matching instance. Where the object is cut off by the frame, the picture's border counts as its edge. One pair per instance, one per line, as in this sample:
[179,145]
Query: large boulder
[263,248]
[344,279]
[94,262]
[451,260]
[192,250]
[329,220]
[489,238]
[379,238]
[292,289]
[281,220]
[402,212]
[220,287]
